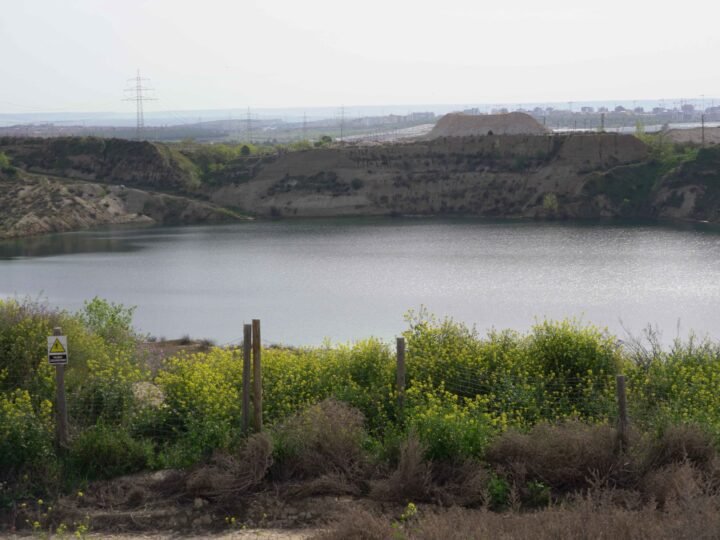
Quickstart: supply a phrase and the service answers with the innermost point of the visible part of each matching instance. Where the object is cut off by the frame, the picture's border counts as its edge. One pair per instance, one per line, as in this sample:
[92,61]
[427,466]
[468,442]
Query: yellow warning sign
[57,348]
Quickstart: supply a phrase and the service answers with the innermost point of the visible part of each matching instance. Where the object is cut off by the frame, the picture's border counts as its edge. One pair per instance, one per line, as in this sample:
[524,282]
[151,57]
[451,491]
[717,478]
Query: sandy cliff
[535,176]
[489,176]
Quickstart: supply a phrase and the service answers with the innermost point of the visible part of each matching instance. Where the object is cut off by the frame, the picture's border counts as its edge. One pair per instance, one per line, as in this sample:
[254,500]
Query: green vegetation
[6,167]
[630,186]
[486,419]
[666,154]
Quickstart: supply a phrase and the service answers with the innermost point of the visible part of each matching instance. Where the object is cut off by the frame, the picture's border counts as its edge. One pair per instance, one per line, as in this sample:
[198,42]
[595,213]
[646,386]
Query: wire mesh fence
[143,407]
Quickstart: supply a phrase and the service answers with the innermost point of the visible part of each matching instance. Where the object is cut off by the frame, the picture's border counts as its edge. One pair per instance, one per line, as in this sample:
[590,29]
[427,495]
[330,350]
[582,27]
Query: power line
[140,95]
[248,126]
[342,121]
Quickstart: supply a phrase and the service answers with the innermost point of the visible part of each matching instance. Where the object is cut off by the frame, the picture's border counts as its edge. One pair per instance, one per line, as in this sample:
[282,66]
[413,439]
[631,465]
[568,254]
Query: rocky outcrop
[37,205]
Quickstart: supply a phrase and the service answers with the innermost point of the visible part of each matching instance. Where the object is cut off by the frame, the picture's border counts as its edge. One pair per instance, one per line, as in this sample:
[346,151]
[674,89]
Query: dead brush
[461,484]
[228,475]
[324,439]
[360,524]
[679,444]
[585,517]
[677,484]
[415,478]
[411,480]
[564,457]
[328,484]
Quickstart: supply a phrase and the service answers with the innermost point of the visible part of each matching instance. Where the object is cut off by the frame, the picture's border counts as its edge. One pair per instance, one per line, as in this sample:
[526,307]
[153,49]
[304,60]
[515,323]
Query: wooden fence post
[400,376]
[257,376]
[622,428]
[246,377]
[61,425]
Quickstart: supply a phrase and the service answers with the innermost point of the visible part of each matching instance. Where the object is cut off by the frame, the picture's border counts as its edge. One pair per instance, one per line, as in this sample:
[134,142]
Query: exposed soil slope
[503,176]
[694,135]
[536,176]
[33,204]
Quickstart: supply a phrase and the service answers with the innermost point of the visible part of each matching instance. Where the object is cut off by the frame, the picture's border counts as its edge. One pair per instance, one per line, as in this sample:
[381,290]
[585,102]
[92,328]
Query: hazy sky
[75,55]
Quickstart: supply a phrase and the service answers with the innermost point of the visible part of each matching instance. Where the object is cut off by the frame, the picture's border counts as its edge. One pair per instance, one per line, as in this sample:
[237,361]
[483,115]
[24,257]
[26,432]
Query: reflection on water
[353,278]
[64,244]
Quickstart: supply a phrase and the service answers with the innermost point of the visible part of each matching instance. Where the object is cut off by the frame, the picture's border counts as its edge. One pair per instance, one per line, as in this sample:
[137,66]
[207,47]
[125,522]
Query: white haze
[76,55]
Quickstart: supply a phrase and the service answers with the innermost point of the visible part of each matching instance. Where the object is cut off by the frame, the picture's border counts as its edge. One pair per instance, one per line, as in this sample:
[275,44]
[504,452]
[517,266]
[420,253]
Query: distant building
[424,116]
[587,109]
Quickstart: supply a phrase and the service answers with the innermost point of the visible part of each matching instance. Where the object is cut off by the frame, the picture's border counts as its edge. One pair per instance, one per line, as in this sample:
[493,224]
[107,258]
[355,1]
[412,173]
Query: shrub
[326,438]
[106,452]
[361,375]
[679,386]
[576,368]
[449,427]
[26,433]
[412,479]
[230,474]
[564,457]
[110,321]
[680,444]
[202,406]
[24,327]
[102,398]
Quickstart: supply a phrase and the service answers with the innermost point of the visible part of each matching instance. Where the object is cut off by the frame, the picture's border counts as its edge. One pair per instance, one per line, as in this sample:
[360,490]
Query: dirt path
[255,534]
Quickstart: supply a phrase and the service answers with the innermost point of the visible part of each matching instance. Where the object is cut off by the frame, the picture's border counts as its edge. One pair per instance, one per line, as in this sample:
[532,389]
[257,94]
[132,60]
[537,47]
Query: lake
[346,279]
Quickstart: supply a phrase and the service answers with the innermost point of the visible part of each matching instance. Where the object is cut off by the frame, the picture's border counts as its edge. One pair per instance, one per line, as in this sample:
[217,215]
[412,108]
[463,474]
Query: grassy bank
[499,421]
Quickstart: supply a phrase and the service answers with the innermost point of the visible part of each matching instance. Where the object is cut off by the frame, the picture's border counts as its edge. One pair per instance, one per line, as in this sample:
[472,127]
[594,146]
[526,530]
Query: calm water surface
[353,278]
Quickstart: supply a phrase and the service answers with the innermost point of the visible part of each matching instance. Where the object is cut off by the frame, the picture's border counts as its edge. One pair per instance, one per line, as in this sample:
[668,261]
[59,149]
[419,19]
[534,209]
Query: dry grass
[678,444]
[359,524]
[227,475]
[411,480]
[588,517]
[325,439]
[565,457]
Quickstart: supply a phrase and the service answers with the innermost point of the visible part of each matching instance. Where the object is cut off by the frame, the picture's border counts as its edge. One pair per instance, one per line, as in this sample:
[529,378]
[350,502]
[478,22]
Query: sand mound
[463,125]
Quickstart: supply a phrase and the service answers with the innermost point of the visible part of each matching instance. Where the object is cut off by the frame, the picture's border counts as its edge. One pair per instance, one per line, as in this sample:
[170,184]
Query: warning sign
[57,350]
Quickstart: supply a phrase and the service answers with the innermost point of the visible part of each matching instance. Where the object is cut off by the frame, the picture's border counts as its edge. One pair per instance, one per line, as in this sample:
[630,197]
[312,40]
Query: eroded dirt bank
[530,176]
